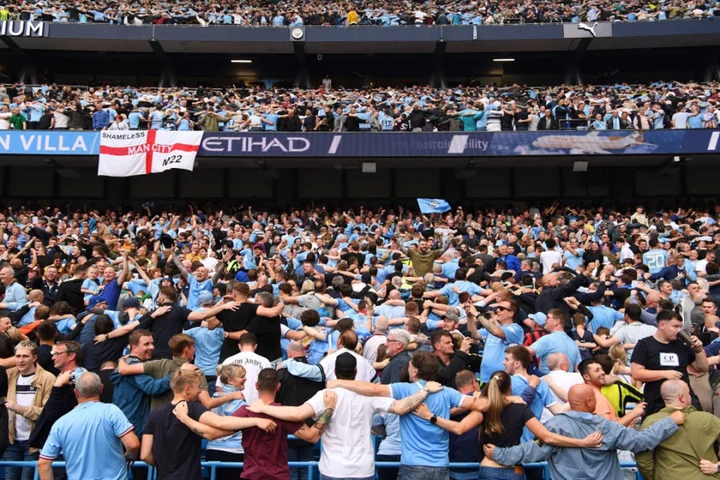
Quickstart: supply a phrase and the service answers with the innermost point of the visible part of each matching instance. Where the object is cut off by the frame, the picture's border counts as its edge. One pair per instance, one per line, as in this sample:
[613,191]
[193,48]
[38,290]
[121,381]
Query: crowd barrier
[212,467]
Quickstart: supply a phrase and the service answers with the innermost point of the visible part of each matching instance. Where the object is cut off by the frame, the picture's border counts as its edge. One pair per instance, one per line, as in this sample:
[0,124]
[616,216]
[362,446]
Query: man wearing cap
[498,332]
[347,447]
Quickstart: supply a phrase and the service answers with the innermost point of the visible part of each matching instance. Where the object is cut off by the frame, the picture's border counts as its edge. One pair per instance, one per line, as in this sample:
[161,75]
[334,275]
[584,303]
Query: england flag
[141,152]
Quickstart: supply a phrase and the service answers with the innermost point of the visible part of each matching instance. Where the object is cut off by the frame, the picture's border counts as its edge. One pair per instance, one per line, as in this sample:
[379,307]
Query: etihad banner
[367,145]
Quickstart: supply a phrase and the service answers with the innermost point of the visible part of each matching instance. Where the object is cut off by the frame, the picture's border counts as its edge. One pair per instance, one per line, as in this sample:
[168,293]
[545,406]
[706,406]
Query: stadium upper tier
[362,12]
[613,107]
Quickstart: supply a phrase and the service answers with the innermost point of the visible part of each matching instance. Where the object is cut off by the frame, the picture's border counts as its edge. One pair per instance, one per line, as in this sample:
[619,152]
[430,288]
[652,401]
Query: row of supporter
[172,325]
[327,109]
[259,13]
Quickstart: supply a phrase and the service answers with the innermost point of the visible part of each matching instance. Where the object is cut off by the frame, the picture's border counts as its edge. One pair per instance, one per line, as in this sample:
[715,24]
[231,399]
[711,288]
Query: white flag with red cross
[141,152]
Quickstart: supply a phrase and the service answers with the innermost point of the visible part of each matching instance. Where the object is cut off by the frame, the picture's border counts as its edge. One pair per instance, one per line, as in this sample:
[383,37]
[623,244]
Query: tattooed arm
[313,434]
[408,404]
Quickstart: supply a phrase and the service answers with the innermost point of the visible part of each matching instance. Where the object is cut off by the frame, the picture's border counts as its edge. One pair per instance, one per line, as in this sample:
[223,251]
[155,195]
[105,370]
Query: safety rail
[311,466]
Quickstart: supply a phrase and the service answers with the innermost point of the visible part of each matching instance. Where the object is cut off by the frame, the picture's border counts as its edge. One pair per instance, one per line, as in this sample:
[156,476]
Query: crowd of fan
[369,12]
[326,109]
[227,314]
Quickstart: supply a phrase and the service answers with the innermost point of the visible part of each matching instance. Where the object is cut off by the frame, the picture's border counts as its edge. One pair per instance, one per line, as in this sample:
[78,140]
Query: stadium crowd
[456,337]
[464,108]
[387,13]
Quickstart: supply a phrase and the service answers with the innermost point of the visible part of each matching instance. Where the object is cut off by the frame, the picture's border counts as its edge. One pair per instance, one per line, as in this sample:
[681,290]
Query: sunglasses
[504,309]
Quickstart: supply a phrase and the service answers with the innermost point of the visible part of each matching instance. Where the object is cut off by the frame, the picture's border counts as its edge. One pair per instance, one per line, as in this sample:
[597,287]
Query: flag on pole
[128,153]
[433,205]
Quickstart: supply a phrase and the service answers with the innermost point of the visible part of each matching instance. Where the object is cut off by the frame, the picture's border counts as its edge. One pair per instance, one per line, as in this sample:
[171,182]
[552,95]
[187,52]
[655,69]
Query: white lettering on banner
[22,28]
[250,144]
[45,143]
[714,137]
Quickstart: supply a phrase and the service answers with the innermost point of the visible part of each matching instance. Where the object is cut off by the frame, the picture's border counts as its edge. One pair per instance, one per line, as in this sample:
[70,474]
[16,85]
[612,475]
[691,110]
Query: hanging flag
[141,152]
[433,205]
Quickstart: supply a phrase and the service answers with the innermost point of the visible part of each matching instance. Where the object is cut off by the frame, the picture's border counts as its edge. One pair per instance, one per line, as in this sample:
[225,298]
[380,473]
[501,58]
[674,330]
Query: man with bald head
[552,293]
[586,464]
[681,455]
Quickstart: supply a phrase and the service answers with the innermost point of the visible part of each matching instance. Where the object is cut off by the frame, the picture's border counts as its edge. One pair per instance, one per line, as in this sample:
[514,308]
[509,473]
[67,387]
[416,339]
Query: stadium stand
[388,13]
[614,107]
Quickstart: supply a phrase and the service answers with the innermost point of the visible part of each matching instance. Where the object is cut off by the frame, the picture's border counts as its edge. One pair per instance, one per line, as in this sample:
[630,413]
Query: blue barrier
[311,466]
[388,144]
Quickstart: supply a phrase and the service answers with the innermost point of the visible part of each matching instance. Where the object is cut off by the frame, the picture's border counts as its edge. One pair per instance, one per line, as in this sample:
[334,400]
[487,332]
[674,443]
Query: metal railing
[311,467]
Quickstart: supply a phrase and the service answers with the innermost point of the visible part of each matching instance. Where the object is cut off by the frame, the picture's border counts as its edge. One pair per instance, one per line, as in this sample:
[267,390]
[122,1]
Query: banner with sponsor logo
[125,153]
[391,144]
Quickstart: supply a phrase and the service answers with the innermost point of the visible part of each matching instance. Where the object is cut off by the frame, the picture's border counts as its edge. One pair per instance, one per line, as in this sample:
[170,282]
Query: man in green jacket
[681,455]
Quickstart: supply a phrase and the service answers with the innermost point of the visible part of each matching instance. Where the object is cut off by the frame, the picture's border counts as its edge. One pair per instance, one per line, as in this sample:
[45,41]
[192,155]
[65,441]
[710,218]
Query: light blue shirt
[655,259]
[89,439]
[603,316]
[556,342]
[195,289]
[494,351]
[543,398]
[207,348]
[15,297]
[426,445]
[573,261]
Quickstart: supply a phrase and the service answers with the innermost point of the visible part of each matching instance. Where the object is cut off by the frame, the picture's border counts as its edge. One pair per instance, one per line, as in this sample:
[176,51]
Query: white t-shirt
[25,396]
[548,259]
[564,380]
[347,446]
[633,333]
[365,371]
[370,349]
[253,363]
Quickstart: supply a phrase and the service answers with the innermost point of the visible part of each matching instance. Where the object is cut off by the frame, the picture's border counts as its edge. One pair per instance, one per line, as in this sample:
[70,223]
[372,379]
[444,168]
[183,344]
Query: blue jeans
[491,473]
[19,452]
[423,473]
[299,451]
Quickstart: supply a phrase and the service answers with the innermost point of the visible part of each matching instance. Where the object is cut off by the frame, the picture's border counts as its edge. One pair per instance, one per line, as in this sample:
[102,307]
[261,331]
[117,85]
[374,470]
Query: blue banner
[44,142]
[433,205]
[395,144]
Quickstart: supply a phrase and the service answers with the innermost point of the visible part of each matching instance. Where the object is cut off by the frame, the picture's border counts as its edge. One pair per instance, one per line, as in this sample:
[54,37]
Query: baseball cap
[345,365]
[205,297]
[452,314]
[94,301]
[539,318]
[131,302]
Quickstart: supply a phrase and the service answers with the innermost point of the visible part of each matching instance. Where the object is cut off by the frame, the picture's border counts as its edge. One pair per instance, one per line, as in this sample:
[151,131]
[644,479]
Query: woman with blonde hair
[502,425]
[228,449]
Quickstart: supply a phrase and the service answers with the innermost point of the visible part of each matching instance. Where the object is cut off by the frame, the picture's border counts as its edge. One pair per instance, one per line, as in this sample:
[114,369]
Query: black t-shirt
[235,322]
[654,355]
[95,354]
[165,327]
[267,331]
[513,418]
[45,359]
[176,447]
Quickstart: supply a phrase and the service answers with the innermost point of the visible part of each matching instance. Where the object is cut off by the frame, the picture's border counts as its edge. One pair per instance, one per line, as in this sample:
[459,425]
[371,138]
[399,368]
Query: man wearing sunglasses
[498,333]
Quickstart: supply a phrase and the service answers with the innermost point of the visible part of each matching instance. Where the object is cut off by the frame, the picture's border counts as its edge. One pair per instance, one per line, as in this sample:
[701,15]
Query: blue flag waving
[433,205]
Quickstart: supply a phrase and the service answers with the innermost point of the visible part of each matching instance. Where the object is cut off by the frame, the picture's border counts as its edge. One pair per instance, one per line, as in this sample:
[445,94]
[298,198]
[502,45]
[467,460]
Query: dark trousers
[299,451]
[225,473]
[385,473]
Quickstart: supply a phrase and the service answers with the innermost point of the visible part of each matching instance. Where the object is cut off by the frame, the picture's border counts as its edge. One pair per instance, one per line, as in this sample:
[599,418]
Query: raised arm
[362,388]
